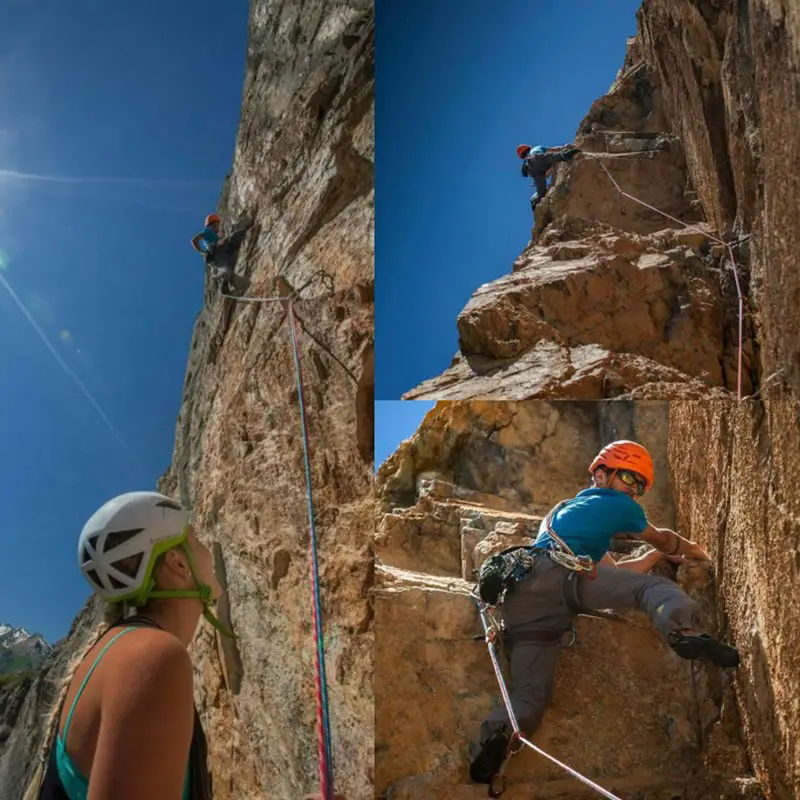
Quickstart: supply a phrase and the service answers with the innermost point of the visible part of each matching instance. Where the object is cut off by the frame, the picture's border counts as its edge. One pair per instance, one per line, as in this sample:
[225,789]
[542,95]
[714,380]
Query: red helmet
[626,455]
[523,150]
[212,218]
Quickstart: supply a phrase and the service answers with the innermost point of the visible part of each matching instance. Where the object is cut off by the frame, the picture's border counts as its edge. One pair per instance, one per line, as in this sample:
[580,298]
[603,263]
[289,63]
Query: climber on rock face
[536,163]
[541,605]
[221,253]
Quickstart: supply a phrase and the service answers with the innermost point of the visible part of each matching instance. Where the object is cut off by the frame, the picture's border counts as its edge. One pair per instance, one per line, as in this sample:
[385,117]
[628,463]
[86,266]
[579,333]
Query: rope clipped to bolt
[727,245]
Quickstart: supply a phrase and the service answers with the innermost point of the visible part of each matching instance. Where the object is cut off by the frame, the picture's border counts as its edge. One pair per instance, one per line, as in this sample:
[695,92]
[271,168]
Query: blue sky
[458,87]
[396,420]
[93,89]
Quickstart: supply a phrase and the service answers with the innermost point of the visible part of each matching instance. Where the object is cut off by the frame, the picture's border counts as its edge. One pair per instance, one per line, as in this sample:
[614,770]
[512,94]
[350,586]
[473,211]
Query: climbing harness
[320,680]
[561,553]
[499,573]
[497,786]
[727,245]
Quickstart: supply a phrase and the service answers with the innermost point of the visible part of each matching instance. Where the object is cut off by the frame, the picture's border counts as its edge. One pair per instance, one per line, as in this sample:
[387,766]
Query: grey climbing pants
[538,604]
[537,167]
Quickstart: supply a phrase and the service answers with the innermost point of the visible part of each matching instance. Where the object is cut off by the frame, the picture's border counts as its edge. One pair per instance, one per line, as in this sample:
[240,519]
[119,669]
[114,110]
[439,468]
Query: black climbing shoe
[704,647]
[486,764]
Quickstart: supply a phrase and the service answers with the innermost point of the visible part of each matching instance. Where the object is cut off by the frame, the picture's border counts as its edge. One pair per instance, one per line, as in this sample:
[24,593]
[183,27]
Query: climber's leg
[540,182]
[675,615]
[532,668]
[535,605]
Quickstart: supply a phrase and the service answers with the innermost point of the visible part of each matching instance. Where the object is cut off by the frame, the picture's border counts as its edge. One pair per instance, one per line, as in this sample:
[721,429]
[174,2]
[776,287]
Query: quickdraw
[498,783]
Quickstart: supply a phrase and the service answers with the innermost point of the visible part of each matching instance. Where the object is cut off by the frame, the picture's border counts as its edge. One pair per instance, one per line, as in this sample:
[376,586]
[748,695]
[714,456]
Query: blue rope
[314,565]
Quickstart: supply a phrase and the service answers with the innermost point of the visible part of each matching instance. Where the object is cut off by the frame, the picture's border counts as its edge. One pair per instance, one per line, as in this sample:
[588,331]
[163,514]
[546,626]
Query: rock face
[613,299]
[736,488]
[628,713]
[302,170]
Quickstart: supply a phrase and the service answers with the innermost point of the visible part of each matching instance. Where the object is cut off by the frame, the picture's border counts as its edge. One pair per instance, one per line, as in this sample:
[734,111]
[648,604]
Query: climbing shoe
[487,763]
[706,648]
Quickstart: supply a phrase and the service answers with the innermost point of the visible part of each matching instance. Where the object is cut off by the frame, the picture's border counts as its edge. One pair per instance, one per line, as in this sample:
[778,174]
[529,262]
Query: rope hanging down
[728,245]
[498,784]
[320,680]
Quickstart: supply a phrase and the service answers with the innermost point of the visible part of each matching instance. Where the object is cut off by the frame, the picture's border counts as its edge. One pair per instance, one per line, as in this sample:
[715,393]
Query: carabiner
[497,785]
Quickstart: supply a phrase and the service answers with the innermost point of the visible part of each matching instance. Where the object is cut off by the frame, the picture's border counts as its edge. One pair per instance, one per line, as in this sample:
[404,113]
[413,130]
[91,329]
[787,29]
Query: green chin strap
[203,593]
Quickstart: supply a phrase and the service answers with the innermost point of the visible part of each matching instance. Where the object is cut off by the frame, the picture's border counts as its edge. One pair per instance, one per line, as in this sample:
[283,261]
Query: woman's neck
[180,617]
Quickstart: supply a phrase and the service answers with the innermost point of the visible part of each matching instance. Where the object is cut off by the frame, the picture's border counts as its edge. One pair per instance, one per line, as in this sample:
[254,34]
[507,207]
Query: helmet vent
[129,566]
[116,538]
[117,584]
[92,541]
[94,578]
[169,504]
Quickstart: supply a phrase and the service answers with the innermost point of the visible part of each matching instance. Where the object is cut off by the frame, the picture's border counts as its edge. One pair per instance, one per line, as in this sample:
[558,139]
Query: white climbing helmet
[144,524]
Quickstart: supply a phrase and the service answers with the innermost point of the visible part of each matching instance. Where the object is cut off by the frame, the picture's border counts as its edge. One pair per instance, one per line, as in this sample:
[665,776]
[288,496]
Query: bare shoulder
[148,663]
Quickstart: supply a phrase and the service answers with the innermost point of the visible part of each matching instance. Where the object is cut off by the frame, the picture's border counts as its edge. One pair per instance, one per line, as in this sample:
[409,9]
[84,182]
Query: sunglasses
[632,479]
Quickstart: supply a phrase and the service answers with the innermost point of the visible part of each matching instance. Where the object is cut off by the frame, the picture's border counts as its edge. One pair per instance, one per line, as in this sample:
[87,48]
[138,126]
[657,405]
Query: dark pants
[537,167]
[225,253]
[540,184]
[538,604]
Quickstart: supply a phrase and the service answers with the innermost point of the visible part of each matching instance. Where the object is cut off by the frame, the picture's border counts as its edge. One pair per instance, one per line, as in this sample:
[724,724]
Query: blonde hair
[113,614]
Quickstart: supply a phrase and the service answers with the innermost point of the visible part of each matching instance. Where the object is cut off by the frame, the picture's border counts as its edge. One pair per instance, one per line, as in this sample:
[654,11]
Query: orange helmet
[626,455]
[212,218]
[523,150]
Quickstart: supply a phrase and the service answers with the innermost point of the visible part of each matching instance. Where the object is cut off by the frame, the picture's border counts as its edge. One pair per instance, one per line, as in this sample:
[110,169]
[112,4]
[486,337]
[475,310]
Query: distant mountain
[20,651]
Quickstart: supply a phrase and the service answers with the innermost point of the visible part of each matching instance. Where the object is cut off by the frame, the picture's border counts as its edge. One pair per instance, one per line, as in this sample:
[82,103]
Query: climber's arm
[643,563]
[671,543]
[196,243]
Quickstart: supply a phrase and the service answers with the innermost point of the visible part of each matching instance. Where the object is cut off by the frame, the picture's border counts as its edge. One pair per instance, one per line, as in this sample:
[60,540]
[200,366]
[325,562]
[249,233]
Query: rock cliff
[735,470]
[613,299]
[478,477]
[302,169]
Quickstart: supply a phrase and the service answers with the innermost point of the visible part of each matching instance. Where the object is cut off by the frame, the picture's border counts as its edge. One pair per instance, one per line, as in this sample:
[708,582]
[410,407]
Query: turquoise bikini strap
[86,680]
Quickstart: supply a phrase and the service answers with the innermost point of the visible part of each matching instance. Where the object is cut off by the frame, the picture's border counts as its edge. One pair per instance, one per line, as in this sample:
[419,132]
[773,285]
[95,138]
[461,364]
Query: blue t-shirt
[208,237]
[587,522]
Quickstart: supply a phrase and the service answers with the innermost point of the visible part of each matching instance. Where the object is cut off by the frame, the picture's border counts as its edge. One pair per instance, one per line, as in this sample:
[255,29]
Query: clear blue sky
[396,420]
[96,89]
[458,86]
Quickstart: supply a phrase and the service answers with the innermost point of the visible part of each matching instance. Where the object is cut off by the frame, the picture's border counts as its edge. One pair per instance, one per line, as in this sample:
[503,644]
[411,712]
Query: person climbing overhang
[538,161]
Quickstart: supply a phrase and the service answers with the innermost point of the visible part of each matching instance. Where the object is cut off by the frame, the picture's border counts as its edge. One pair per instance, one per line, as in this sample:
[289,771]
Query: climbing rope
[323,728]
[517,740]
[320,680]
[244,299]
[728,245]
